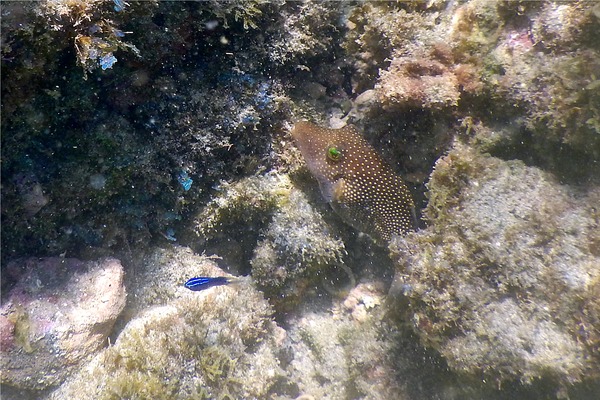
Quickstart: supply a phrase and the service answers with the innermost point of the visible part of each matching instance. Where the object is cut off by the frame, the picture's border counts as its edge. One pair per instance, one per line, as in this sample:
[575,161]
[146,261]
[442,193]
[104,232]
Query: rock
[7,330]
[216,343]
[504,282]
[222,342]
[60,311]
[296,244]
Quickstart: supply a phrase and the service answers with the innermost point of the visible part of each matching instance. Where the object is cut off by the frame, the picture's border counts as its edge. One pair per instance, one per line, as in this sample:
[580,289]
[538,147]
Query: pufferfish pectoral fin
[333,191]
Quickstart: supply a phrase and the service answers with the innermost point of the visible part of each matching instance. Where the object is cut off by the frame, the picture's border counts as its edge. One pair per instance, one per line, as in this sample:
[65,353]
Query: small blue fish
[204,282]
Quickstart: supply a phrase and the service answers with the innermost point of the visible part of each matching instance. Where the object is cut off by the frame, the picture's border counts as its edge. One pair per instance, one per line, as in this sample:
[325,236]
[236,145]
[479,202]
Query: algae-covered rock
[557,90]
[375,29]
[294,246]
[223,343]
[109,149]
[546,67]
[307,29]
[355,351]
[60,312]
[504,283]
[419,82]
[212,344]
[190,137]
[335,355]
[160,276]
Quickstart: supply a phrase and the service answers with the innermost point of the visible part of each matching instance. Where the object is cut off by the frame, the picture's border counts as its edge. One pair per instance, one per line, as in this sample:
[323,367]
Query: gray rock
[504,282]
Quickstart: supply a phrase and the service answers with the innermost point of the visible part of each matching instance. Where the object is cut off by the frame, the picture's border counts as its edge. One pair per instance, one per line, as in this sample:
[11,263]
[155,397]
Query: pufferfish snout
[359,185]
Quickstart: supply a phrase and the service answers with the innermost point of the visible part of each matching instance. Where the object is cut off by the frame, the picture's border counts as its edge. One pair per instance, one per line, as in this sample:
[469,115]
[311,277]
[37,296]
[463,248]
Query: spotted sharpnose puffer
[358,184]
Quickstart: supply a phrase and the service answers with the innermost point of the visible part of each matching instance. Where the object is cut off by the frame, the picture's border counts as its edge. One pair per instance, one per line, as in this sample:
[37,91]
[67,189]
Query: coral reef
[337,349]
[375,29]
[531,64]
[327,357]
[127,126]
[134,127]
[429,81]
[355,351]
[413,80]
[307,29]
[504,280]
[59,313]
[222,343]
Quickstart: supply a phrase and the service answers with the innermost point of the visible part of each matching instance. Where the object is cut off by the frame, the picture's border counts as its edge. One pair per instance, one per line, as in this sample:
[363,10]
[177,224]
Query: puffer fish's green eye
[333,153]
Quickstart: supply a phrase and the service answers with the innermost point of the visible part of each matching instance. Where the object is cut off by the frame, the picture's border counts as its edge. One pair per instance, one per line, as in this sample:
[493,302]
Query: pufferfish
[355,181]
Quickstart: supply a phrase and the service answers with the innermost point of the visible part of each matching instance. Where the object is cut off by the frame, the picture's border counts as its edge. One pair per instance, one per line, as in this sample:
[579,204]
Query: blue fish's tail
[204,282]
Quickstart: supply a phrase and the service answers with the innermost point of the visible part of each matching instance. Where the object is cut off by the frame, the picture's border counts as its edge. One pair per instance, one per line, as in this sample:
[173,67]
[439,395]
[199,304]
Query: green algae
[216,365]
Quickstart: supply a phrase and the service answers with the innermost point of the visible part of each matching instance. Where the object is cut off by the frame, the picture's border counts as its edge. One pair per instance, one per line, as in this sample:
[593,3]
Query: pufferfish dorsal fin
[358,184]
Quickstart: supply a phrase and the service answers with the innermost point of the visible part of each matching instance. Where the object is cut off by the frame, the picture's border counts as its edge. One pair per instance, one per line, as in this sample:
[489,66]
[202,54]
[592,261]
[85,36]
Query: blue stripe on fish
[204,282]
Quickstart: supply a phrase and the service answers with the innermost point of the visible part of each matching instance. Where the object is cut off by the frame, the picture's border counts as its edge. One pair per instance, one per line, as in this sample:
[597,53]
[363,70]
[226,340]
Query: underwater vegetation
[95,163]
[193,346]
[223,343]
[177,343]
